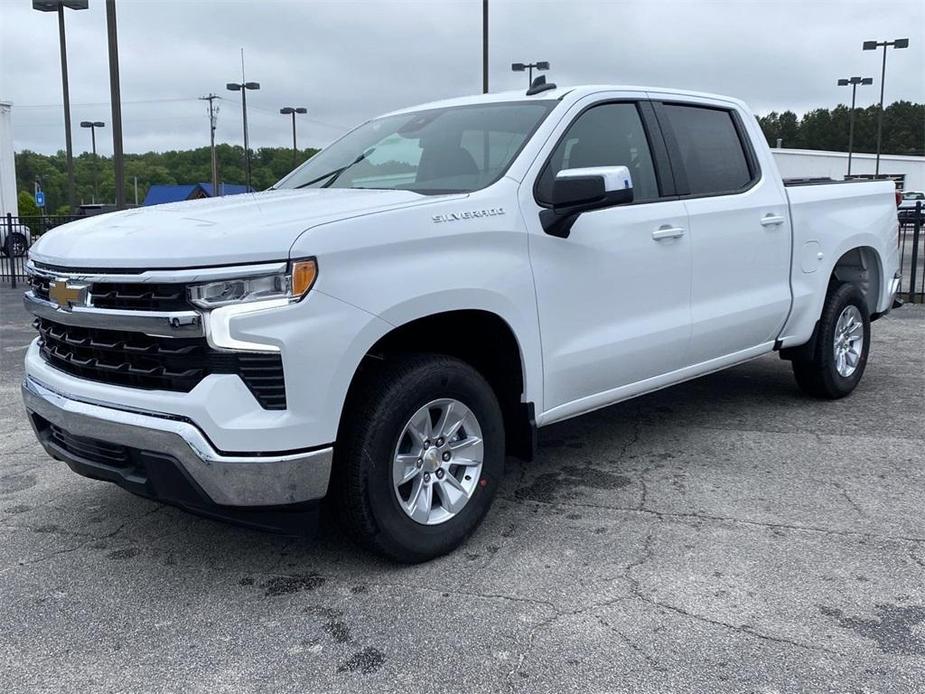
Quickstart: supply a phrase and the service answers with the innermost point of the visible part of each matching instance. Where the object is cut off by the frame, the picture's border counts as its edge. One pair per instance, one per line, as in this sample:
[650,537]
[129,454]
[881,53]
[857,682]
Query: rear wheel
[842,344]
[419,457]
[15,246]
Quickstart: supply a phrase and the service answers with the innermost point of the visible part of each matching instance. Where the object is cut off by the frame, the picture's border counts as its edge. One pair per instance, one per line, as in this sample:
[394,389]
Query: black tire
[386,398]
[15,245]
[819,376]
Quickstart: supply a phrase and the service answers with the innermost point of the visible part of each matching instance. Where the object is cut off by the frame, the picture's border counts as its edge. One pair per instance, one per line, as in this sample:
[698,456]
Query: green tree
[27,206]
[821,128]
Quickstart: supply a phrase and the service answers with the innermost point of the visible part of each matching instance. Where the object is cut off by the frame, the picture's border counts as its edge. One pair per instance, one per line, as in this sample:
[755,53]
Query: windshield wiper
[333,175]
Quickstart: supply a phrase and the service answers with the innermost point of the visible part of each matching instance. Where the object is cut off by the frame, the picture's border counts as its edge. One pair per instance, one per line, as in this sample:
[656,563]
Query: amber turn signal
[304,273]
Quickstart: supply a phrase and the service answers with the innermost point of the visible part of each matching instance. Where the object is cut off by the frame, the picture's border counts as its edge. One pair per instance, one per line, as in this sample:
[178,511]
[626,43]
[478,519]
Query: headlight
[291,285]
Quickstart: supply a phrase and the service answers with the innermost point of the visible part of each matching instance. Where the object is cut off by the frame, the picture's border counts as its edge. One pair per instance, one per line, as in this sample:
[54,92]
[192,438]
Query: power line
[106,103]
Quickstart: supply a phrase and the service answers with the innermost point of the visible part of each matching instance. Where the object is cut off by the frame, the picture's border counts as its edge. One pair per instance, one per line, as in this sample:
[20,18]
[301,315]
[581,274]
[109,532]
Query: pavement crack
[676,515]
[636,648]
[741,628]
[636,588]
[847,497]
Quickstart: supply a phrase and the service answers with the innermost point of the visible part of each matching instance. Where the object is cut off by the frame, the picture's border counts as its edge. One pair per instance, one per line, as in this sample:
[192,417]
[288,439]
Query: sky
[348,61]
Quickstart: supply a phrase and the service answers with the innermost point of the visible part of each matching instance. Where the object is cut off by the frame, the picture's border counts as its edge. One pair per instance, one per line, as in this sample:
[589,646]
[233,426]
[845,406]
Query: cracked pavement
[724,535]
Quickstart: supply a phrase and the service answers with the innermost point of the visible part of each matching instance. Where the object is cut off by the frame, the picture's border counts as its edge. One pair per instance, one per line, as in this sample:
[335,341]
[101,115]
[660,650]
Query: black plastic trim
[161,478]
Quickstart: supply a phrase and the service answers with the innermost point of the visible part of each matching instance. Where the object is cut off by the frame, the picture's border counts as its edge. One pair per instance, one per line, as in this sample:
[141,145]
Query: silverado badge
[67,295]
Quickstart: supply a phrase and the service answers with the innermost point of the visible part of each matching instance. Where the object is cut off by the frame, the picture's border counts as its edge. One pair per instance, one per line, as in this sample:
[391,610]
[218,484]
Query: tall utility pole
[213,120]
[484,46]
[116,98]
[58,6]
[872,46]
[854,82]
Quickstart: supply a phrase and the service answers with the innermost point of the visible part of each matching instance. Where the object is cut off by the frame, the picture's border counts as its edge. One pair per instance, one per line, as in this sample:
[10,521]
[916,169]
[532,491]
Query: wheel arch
[483,339]
[861,266]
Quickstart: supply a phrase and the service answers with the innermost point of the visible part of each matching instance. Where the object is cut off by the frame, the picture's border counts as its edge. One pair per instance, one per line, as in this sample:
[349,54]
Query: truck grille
[39,285]
[156,363]
[125,296]
[139,297]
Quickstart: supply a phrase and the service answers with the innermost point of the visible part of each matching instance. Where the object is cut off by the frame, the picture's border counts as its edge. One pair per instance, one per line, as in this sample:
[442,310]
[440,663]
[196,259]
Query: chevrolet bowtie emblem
[67,295]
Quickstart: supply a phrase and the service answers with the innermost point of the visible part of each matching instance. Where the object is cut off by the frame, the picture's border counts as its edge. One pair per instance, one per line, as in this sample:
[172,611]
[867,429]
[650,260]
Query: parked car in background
[404,310]
[15,239]
[907,206]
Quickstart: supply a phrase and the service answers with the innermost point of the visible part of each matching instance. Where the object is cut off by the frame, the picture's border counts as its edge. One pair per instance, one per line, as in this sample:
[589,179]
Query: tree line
[821,128]
[94,178]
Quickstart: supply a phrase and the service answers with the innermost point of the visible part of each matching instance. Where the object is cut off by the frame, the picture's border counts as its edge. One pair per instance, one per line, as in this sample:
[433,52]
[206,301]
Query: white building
[811,163]
[8,202]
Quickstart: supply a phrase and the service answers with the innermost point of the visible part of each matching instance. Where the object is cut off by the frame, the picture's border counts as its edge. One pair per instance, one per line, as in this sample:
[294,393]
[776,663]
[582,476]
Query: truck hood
[248,228]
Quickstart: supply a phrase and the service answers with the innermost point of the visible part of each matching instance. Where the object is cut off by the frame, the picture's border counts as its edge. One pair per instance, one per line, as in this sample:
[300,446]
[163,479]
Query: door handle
[667,232]
[771,220]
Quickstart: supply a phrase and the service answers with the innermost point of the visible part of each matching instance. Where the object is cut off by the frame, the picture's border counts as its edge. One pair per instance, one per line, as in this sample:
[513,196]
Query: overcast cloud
[347,61]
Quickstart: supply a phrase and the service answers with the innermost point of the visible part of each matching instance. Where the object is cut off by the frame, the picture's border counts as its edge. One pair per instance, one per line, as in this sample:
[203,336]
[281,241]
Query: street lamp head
[867,80]
[843,83]
[542,65]
[252,85]
[901,43]
[300,109]
[86,124]
[870,46]
[518,67]
[287,110]
[99,124]
[233,87]
[53,5]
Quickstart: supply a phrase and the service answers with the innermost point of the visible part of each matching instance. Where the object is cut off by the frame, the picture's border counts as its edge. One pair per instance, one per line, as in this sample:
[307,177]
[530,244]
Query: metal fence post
[916,231]
[9,246]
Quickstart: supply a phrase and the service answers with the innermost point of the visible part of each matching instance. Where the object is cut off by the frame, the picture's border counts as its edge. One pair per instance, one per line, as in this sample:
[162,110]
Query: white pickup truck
[406,308]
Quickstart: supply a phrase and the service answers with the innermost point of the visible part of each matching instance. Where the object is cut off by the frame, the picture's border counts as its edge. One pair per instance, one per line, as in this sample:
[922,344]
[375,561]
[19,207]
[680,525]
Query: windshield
[447,150]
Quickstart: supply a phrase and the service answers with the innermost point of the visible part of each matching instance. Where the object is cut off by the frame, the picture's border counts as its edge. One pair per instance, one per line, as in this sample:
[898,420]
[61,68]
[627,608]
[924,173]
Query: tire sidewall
[398,533]
[840,298]
[9,245]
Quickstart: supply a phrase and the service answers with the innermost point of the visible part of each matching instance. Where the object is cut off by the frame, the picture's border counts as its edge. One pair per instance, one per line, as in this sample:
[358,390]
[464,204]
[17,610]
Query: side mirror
[576,191]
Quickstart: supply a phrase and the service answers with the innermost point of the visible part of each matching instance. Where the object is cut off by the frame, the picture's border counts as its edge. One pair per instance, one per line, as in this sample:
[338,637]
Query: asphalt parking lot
[728,534]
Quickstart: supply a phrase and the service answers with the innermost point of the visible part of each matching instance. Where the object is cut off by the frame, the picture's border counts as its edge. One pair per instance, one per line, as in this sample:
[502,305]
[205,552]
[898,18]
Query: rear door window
[712,152]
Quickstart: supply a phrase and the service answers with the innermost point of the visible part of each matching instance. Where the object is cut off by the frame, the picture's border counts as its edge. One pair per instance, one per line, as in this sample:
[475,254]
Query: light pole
[854,82]
[58,6]
[872,46]
[292,110]
[115,98]
[243,87]
[93,125]
[521,67]
[484,46]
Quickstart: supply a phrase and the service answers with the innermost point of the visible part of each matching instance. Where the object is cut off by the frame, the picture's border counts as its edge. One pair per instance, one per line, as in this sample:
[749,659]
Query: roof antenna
[538,86]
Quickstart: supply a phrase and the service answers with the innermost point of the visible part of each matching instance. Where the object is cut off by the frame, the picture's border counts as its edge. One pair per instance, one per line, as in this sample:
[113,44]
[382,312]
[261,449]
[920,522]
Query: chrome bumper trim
[229,480]
[156,323]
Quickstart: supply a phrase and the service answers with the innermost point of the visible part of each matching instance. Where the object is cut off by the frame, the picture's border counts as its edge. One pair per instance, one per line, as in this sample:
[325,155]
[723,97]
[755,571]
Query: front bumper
[152,440]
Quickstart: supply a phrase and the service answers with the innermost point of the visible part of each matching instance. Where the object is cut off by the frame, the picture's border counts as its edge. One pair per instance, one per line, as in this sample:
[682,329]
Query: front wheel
[419,457]
[842,345]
